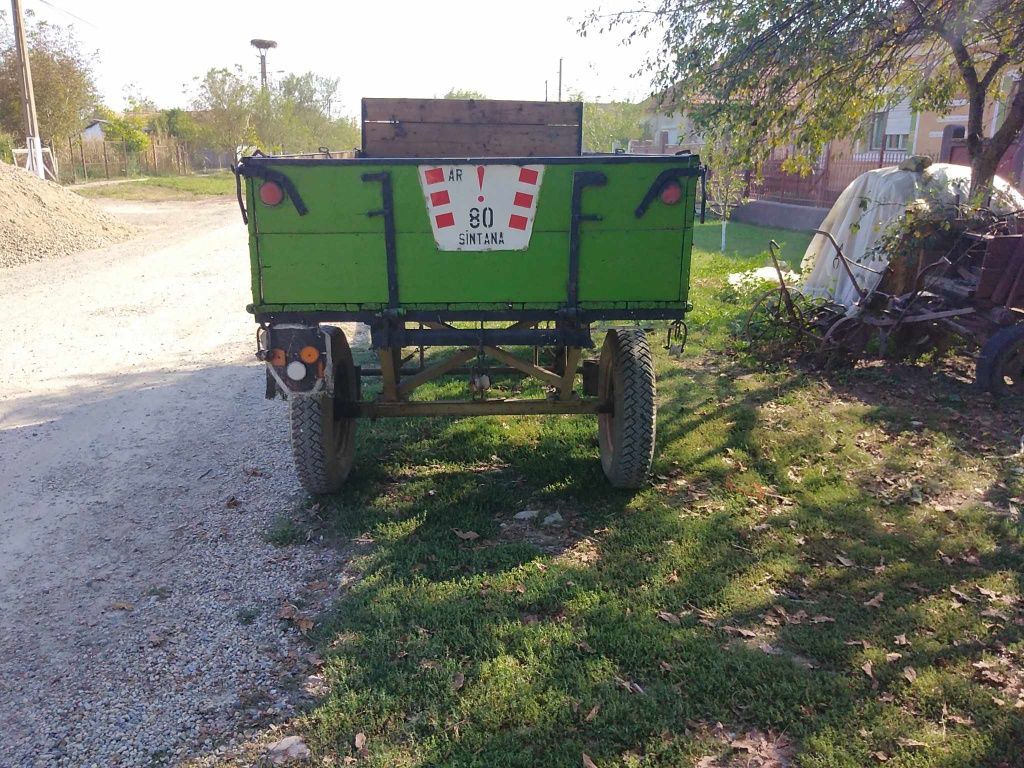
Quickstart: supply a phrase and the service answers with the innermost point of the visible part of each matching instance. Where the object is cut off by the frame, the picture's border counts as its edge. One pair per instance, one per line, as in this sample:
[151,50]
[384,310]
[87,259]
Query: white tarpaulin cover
[863,211]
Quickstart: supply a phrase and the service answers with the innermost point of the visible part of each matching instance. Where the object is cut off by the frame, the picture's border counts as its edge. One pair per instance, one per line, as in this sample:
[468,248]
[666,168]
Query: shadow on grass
[620,632]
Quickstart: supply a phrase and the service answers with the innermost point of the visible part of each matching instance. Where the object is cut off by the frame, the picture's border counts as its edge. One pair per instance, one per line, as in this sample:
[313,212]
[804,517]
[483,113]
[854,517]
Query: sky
[389,48]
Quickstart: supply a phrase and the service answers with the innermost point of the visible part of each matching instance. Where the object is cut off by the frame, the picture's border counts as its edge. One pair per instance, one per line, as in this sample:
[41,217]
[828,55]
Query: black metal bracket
[385,335]
[235,169]
[260,171]
[703,192]
[662,180]
[580,181]
[387,210]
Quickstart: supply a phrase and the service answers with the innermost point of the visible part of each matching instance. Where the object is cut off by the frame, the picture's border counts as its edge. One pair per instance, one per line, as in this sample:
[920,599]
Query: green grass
[783,504]
[158,188]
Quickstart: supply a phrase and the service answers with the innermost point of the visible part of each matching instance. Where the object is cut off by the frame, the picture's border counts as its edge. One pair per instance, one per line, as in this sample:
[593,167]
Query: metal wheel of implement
[771,327]
[626,383]
[323,444]
[1000,368]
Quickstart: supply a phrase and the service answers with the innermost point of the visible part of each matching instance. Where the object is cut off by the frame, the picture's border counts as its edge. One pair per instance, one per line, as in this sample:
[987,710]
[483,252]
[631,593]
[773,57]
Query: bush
[6,148]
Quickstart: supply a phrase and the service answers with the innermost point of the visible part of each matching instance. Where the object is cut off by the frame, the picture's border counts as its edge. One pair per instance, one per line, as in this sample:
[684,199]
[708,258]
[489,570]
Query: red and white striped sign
[481,207]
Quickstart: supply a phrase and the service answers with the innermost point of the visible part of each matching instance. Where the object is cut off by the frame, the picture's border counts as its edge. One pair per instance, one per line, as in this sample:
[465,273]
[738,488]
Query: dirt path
[141,468]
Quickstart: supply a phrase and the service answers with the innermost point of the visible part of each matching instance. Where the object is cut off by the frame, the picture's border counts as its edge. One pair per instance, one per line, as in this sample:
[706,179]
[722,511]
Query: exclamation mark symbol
[480,182]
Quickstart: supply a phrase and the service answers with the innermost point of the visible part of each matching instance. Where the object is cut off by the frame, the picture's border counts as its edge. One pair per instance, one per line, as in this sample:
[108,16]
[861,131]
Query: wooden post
[156,164]
[81,153]
[106,163]
[71,159]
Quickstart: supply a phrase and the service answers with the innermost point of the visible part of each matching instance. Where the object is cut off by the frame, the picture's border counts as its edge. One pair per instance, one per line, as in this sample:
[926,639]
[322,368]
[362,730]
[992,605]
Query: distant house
[93,131]
[887,138]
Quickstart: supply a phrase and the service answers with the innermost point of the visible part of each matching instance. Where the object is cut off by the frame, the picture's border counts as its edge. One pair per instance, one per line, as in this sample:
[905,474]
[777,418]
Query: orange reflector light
[277,358]
[309,355]
[671,194]
[271,193]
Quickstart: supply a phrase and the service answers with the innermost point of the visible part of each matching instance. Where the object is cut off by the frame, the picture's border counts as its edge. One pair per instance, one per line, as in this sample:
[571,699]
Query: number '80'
[478,216]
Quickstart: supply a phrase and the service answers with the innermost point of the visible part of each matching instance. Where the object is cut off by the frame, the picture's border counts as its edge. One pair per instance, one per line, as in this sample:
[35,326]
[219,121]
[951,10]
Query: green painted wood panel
[335,255]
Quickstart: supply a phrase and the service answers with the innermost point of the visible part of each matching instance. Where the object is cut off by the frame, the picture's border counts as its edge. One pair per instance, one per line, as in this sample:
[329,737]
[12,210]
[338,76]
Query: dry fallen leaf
[458,681]
[893,656]
[868,670]
[910,743]
[742,632]
[845,561]
[672,578]
[303,624]
[910,674]
[587,762]
[317,585]
[360,740]
[287,611]
[875,601]
[592,713]
[822,620]
[122,606]
[466,535]
[428,664]
[665,666]
[880,756]
[671,618]
[902,640]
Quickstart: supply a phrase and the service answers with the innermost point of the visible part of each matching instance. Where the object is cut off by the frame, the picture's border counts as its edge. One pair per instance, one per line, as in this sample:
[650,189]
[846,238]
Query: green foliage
[6,148]
[129,129]
[464,93]
[609,124]
[726,183]
[62,79]
[777,74]
[293,115]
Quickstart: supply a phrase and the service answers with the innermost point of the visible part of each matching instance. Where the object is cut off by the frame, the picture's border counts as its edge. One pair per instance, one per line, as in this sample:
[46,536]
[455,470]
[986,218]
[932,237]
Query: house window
[879,136]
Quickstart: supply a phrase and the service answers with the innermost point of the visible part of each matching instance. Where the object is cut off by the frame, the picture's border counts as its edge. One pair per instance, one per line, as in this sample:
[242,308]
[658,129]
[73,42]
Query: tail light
[271,193]
[671,194]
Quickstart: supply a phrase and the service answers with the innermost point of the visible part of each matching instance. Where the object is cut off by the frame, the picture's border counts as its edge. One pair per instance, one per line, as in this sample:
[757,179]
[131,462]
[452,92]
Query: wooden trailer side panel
[471,128]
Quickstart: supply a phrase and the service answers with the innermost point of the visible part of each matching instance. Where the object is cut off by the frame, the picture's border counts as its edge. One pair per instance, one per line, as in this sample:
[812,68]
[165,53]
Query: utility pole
[545,90]
[559,79]
[263,46]
[33,143]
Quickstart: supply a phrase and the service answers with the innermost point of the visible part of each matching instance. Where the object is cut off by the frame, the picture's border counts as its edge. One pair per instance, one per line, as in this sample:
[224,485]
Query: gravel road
[141,469]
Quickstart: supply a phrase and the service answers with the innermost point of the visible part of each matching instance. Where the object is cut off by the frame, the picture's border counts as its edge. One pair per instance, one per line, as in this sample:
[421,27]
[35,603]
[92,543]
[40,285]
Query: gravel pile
[40,220]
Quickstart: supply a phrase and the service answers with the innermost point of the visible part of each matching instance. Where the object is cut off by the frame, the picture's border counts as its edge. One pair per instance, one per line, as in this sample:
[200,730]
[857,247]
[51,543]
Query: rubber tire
[1006,346]
[626,380]
[323,447]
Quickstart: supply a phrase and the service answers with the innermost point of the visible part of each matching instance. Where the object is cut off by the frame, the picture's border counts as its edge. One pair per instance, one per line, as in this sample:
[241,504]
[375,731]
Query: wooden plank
[435,371]
[526,367]
[572,361]
[472,111]
[456,140]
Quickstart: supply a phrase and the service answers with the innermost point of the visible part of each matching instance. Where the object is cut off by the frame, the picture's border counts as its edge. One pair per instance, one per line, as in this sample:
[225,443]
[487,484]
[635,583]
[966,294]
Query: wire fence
[80,160]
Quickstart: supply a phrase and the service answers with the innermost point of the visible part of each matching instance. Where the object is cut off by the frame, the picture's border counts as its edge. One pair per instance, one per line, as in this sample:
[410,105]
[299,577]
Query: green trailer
[478,226]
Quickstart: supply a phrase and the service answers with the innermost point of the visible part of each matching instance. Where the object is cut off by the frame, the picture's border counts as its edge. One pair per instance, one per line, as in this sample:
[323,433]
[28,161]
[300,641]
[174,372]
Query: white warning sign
[481,207]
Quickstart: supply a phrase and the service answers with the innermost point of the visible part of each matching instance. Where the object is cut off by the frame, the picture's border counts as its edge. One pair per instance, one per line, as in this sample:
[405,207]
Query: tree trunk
[725,222]
[986,153]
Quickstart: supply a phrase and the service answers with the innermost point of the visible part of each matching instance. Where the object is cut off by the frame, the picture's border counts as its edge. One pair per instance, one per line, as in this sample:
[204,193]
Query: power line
[68,13]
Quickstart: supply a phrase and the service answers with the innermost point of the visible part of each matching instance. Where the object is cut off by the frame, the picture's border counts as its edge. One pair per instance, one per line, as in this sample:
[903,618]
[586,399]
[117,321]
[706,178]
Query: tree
[224,102]
[610,123]
[726,180]
[778,73]
[61,75]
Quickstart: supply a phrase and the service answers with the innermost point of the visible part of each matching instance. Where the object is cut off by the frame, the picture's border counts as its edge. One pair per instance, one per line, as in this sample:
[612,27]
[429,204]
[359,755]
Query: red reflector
[271,193]
[671,194]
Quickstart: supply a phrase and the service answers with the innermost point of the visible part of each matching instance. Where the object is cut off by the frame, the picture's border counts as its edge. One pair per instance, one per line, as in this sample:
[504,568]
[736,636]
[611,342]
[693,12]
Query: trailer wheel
[323,444]
[1000,367]
[626,384]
